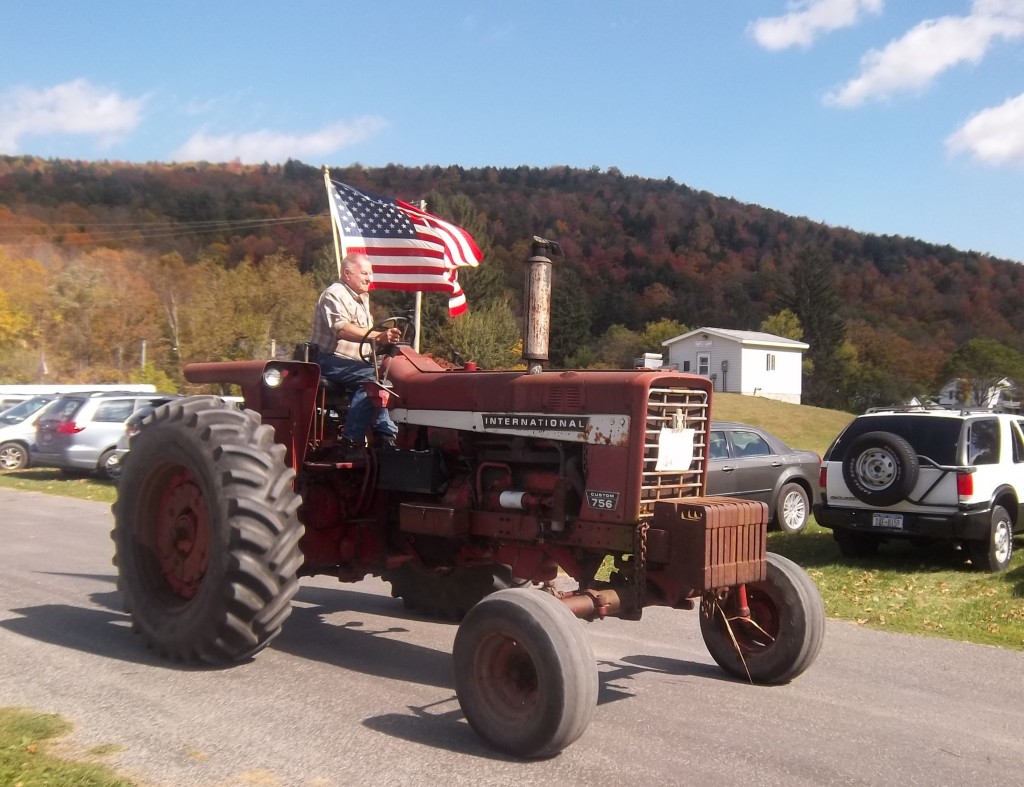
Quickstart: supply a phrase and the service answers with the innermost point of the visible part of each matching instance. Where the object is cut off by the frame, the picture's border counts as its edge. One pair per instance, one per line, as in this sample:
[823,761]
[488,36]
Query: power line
[153,230]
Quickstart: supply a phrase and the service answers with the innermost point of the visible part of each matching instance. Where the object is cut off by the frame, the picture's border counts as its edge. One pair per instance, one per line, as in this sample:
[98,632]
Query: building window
[770,362]
[686,366]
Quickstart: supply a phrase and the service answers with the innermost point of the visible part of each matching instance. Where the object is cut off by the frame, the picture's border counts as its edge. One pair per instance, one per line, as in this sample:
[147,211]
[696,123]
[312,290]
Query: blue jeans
[351,375]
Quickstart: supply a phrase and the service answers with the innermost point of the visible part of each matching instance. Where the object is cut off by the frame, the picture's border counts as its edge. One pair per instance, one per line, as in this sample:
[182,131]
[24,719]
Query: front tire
[13,456]
[206,533]
[993,553]
[525,673]
[784,632]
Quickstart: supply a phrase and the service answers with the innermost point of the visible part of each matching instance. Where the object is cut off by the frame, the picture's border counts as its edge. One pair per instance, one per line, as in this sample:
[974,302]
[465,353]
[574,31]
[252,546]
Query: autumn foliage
[223,261]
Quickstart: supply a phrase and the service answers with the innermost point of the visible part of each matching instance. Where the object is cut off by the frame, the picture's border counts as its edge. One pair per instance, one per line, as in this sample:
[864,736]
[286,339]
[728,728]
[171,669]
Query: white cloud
[256,147]
[809,20]
[993,136]
[76,107]
[912,63]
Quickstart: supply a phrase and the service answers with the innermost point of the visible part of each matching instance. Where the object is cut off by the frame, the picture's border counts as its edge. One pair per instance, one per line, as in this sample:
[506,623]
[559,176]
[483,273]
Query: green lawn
[25,759]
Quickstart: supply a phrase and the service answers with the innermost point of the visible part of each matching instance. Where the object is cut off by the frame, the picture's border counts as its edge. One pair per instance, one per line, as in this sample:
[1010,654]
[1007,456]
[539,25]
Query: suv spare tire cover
[880,468]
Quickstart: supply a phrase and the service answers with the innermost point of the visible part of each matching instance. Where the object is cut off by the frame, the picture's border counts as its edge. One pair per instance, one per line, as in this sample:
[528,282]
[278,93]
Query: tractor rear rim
[182,534]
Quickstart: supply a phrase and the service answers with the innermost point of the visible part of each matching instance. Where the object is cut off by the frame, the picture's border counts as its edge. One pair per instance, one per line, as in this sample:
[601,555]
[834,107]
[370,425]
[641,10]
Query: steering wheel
[368,348]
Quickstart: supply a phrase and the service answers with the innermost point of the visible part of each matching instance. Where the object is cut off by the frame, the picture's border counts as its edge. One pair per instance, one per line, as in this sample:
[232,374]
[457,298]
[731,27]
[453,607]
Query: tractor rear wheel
[206,532]
[781,636]
[525,673]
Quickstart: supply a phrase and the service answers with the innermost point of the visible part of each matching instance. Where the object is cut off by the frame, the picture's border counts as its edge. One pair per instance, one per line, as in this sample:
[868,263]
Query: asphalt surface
[357,692]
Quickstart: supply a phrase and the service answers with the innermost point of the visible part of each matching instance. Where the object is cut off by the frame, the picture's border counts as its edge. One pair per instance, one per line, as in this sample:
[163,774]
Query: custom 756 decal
[602,501]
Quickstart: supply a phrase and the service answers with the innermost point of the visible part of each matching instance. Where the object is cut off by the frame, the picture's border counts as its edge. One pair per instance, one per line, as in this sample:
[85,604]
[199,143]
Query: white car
[926,474]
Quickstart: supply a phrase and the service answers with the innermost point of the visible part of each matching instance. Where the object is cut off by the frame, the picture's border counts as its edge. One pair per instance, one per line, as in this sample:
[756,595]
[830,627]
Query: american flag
[409,248]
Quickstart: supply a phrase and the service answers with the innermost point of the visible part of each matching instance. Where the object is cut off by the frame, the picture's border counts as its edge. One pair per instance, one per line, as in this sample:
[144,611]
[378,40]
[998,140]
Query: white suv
[928,475]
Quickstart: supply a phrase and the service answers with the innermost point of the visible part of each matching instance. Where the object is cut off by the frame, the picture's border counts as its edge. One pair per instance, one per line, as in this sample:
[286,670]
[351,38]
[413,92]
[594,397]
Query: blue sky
[884,116]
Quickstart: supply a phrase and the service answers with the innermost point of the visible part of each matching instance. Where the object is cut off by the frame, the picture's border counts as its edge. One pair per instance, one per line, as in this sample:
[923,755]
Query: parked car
[746,461]
[79,432]
[131,428]
[18,431]
[7,401]
[926,475]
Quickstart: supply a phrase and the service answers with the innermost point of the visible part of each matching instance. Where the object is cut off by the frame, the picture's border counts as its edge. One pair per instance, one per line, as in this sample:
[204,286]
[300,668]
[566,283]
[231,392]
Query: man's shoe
[350,446]
[383,440]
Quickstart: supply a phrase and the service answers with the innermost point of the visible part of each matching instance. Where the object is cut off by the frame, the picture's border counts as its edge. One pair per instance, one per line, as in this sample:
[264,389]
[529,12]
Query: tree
[570,315]
[489,336]
[784,323]
[661,331]
[238,314]
[618,348]
[981,365]
[815,302]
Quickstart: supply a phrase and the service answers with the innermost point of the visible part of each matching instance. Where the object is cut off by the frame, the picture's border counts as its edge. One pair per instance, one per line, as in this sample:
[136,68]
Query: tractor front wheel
[206,532]
[525,673]
[779,637]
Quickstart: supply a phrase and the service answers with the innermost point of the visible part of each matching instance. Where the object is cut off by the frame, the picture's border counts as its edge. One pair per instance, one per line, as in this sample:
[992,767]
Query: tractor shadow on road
[340,628]
[100,628]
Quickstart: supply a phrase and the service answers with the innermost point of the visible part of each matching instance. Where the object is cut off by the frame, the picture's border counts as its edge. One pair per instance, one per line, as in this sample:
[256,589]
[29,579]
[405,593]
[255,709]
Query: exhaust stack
[537,323]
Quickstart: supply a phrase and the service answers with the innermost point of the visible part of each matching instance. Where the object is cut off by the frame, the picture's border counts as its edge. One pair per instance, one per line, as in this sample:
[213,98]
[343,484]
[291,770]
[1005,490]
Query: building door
[704,364]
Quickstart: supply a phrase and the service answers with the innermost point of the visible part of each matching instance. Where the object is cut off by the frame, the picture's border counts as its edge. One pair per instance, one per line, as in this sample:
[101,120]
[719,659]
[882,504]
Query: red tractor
[501,483]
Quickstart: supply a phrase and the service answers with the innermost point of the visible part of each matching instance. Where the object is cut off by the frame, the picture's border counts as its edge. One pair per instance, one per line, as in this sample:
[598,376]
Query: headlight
[272,377]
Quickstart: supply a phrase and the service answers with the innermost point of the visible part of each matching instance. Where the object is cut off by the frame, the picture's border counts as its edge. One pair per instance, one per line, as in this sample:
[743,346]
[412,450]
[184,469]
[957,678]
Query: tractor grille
[673,408]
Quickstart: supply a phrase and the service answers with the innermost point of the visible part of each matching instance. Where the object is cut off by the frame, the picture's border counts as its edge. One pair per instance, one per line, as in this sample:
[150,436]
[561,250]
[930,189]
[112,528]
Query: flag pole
[419,303]
[339,243]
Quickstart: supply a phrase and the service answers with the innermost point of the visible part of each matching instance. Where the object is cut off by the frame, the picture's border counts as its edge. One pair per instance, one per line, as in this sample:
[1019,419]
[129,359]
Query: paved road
[354,692]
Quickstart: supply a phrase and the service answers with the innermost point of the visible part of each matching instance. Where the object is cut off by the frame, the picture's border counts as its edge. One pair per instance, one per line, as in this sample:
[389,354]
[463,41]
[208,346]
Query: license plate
[890,521]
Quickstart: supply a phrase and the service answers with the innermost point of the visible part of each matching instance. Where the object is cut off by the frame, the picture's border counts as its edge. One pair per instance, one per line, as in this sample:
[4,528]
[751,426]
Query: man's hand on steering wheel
[393,330]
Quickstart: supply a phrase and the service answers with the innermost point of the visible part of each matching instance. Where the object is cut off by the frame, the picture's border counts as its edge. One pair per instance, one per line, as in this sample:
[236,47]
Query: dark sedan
[746,461]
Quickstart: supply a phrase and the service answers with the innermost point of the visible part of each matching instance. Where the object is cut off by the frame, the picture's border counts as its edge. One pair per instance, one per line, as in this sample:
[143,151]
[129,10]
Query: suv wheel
[881,468]
[994,553]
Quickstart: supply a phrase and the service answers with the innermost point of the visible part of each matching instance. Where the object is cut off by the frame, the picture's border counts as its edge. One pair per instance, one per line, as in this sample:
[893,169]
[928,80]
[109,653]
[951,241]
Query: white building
[957,392]
[746,362]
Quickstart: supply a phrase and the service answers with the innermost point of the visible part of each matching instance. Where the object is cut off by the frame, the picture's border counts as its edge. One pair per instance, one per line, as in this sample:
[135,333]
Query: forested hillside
[212,261]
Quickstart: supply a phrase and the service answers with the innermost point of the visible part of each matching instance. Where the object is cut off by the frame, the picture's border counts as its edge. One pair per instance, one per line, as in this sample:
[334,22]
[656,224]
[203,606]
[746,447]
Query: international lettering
[553,423]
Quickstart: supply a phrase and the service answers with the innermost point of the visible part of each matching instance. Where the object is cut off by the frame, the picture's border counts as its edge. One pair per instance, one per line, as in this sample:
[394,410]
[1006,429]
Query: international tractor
[519,502]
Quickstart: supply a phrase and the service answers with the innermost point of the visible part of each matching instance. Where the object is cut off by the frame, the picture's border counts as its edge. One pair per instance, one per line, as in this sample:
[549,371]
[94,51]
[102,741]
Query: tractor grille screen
[676,409]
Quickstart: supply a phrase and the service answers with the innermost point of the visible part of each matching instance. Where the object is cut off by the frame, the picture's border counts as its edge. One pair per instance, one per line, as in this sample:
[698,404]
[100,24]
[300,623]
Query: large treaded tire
[525,673]
[206,532]
[790,626]
[449,593]
[881,468]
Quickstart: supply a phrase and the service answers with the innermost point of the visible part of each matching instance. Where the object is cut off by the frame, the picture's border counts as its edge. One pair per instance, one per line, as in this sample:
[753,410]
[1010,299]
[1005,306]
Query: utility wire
[151,230]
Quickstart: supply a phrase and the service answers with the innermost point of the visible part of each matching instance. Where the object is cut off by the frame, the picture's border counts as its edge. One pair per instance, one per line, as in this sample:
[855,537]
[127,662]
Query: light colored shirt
[339,305]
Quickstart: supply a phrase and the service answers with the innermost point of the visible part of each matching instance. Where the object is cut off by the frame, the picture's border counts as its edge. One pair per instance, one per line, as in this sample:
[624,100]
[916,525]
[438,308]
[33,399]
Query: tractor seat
[307,352]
